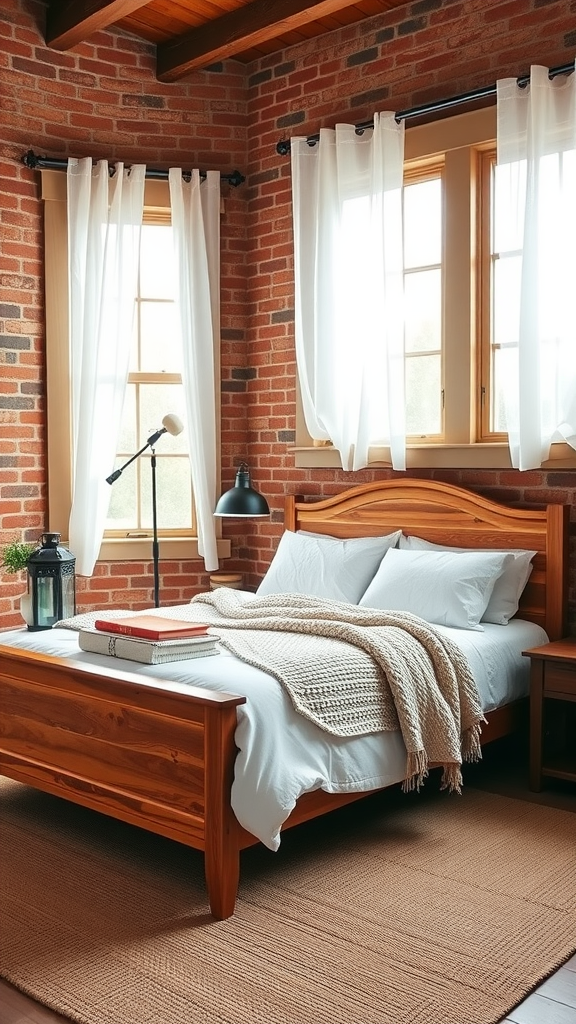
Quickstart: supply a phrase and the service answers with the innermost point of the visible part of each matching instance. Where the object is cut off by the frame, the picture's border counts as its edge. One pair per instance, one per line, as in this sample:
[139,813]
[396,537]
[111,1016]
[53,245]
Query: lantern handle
[54,542]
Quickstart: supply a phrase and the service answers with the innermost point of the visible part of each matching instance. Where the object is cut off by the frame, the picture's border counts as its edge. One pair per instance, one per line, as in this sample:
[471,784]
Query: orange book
[152,627]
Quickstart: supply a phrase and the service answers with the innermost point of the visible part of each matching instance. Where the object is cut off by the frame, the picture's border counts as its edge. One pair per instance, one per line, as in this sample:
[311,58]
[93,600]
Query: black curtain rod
[283,147]
[31,159]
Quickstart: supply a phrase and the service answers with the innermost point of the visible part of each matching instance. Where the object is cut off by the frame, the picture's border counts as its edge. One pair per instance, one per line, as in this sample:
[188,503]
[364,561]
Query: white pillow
[325,566]
[503,603]
[439,586]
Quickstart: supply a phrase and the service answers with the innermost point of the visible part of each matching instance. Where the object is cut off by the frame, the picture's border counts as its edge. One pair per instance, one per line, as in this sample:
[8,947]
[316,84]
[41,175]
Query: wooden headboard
[451,515]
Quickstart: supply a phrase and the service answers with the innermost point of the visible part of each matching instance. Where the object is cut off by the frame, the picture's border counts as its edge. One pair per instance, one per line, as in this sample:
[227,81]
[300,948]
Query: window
[502,266]
[459,272]
[154,389]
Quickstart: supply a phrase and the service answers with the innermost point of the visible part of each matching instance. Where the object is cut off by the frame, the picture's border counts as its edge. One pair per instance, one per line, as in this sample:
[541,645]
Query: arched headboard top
[450,515]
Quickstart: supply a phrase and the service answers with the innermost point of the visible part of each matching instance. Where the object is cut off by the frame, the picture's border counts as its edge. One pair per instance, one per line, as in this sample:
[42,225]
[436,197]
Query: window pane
[504,365]
[506,300]
[156,400]
[133,490]
[423,304]
[173,492]
[423,395]
[160,346]
[508,199]
[123,508]
[422,223]
[128,441]
[157,264]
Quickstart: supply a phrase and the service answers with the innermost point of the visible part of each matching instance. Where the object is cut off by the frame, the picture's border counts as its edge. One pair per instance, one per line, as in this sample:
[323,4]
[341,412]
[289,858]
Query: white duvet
[283,755]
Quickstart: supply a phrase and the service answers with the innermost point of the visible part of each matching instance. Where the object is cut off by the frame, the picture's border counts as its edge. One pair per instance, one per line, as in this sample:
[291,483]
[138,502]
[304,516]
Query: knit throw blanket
[355,671]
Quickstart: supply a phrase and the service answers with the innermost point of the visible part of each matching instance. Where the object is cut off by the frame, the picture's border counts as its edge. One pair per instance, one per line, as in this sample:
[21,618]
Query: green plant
[15,556]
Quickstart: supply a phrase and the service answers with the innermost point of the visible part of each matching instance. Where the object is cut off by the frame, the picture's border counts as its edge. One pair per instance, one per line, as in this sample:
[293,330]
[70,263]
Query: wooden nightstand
[552,737]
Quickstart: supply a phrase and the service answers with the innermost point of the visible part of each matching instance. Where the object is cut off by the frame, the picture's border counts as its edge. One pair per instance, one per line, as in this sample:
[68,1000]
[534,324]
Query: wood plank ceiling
[192,34]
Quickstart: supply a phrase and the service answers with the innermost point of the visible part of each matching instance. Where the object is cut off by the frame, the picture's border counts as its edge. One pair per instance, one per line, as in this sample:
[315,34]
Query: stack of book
[149,639]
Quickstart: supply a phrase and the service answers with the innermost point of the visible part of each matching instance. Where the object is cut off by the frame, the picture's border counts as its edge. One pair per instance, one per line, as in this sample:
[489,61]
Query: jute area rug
[404,909]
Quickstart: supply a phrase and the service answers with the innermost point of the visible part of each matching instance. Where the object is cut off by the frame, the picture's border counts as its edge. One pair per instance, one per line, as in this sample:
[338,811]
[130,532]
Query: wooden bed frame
[161,755]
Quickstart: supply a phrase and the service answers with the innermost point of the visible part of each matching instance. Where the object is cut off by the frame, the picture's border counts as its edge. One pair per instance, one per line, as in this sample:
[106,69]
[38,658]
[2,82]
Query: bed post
[557,540]
[290,510]
[221,828]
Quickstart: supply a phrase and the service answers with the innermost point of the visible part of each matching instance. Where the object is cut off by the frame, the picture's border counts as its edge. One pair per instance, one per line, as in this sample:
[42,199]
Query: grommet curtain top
[283,146]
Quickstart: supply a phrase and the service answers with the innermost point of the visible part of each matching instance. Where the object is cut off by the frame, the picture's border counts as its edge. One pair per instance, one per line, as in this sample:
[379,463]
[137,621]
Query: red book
[152,627]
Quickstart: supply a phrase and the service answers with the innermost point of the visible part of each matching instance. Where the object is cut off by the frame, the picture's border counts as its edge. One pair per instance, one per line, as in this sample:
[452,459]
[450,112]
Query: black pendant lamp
[242,501]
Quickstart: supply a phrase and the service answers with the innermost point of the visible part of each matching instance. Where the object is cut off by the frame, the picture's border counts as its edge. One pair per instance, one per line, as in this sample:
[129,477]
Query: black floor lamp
[171,425]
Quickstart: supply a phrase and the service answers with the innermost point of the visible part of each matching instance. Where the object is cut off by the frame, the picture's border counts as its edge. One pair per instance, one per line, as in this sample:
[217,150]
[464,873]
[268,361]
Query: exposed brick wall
[428,50]
[103,99]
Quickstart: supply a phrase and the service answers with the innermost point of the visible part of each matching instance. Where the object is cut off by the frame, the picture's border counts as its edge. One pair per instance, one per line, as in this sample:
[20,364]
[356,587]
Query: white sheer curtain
[104,223]
[536,212]
[347,214]
[196,226]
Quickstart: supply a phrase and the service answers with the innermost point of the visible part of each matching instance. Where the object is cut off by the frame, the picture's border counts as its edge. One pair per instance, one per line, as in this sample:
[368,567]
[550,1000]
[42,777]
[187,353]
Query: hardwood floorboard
[539,1009]
[17,1008]
[561,987]
[504,770]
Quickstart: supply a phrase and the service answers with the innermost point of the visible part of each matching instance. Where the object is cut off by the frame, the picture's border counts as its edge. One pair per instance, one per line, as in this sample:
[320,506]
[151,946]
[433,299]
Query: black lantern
[51,583]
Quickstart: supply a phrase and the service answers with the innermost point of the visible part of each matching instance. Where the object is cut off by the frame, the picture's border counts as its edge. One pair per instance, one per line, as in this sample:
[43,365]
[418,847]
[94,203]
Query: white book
[148,652]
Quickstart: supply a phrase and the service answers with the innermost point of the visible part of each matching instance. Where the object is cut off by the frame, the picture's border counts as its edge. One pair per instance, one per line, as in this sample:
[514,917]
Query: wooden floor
[502,770]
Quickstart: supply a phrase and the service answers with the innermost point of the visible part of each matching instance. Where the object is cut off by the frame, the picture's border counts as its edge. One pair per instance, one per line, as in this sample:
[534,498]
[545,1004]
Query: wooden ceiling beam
[73,21]
[236,31]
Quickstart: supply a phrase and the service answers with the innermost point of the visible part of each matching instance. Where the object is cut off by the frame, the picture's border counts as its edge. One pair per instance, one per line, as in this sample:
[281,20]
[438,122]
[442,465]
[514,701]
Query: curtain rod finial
[30,159]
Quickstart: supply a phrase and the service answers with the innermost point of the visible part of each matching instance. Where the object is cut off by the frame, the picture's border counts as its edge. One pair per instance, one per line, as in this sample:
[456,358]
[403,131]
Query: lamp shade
[242,501]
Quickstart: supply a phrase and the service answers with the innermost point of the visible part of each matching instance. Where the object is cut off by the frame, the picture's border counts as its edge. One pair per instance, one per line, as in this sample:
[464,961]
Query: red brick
[221,121]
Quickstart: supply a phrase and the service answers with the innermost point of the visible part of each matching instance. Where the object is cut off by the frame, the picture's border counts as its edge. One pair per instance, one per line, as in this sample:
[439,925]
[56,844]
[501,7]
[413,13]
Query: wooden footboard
[156,754]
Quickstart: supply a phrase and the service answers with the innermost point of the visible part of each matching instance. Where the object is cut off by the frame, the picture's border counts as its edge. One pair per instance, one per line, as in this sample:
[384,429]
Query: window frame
[58,396]
[487,159]
[462,143]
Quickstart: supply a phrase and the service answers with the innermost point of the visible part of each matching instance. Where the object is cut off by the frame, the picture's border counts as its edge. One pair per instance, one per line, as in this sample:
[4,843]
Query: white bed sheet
[282,754]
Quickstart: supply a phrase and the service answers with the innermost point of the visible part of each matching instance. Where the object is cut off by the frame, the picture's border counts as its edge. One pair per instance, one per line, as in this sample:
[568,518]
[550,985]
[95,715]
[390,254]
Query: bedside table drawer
[560,679]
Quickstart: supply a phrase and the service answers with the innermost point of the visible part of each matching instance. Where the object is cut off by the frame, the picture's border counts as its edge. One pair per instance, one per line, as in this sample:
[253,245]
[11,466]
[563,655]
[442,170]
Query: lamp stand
[155,548]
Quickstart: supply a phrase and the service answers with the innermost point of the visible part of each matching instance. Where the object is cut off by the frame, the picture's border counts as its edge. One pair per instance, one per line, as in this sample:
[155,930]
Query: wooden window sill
[435,456]
[139,549]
